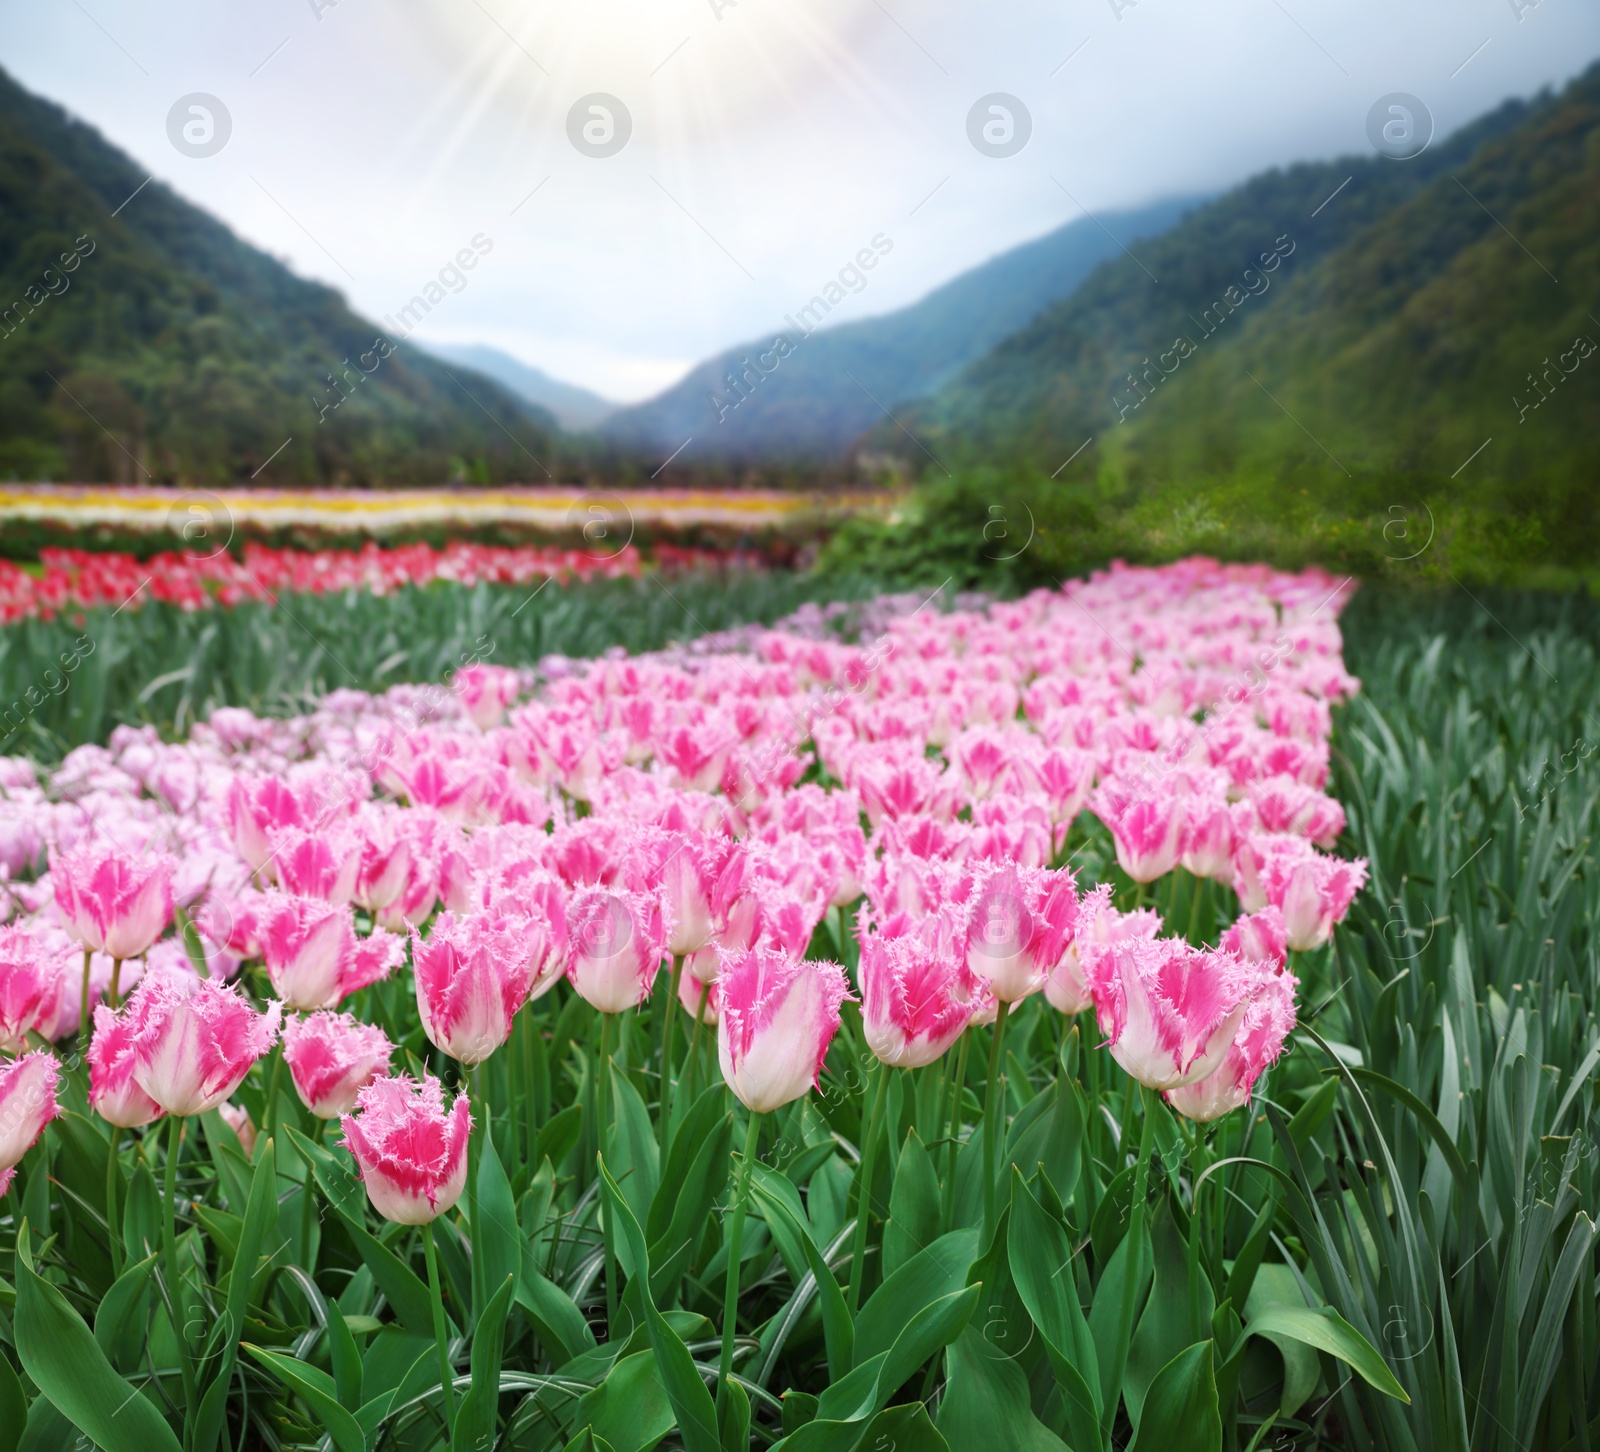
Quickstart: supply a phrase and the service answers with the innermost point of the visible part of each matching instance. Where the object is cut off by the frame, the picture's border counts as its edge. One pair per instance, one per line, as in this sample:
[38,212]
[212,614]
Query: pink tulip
[1267,1023]
[27,1104]
[35,977]
[111,902]
[1315,896]
[689,990]
[917,994]
[616,939]
[1209,836]
[322,861]
[1146,828]
[237,1118]
[1311,889]
[332,1057]
[691,876]
[194,1040]
[1018,923]
[472,975]
[113,1093]
[411,1150]
[386,860]
[255,807]
[778,1016]
[1169,1011]
[313,956]
[1258,938]
[1098,925]
[485,692]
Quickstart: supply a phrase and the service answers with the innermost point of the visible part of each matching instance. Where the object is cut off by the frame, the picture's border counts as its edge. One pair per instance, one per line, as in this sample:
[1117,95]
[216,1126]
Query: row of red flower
[81,579]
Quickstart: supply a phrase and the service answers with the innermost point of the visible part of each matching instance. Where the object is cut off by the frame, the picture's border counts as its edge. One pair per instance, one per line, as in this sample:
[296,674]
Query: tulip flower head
[1098,925]
[114,1094]
[1017,920]
[34,978]
[111,901]
[485,692]
[778,1016]
[410,1149]
[27,1104]
[472,975]
[1258,938]
[917,994]
[616,939]
[1267,1022]
[1146,828]
[313,956]
[194,1040]
[1170,1011]
[237,1118]
[332,1057]
[1310,888]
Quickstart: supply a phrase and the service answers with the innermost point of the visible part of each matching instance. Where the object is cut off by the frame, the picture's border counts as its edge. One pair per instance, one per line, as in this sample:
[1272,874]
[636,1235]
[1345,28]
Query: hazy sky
[770,139]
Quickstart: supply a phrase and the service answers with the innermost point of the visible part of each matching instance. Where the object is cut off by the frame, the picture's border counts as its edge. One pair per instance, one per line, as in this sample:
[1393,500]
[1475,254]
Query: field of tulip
[1094,1020]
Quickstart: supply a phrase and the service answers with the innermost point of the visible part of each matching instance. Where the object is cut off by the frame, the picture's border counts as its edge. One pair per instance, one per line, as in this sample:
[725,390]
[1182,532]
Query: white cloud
[771,138]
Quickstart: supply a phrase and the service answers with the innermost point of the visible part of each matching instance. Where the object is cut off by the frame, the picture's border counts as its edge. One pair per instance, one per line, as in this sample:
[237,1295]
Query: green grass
[1425,1159]
[160,665]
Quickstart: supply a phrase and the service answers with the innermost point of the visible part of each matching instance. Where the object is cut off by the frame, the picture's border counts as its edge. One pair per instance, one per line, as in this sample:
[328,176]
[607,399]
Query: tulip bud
[27,1104]
[194,1040]
[332,1057]
[411,1151]
[778,1016]
[113,1093]
[472,975]
[617,939]
[111,902]
[34,977]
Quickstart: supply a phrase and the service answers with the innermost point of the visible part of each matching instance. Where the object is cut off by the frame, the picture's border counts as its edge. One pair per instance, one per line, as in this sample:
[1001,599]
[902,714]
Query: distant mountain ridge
[574,408]
[171,350]
[1043,390]
[832,384]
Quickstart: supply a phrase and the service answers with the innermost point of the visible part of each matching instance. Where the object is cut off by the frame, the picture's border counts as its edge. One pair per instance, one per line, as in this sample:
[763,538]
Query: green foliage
[1393,1249]
[172,351]
[158,664]
[1339,389]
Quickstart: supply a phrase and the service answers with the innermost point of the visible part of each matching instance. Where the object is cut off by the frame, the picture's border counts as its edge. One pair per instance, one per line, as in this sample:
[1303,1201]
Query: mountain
[572,407]
[140,339]
[827,390]
[1406,313]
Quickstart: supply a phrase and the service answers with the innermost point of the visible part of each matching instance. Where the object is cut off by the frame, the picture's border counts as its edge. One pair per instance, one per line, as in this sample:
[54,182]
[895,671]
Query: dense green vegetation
[1422,1161]
[1377,356]
[164,666]
[170,350]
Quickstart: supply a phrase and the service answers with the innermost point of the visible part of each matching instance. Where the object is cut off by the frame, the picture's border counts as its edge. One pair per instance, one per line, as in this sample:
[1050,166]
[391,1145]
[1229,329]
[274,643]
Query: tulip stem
[447,1379]
[730,1308]
[993,1114]
[955,1131]
[869,1144]
[691,1068]
[1194,911]
[603,1090]
[116,978]
[270,1118]
[169,1227]
[111,1202]
[83,1023]
[1132,1243]
[668,1097]
[480,1127]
